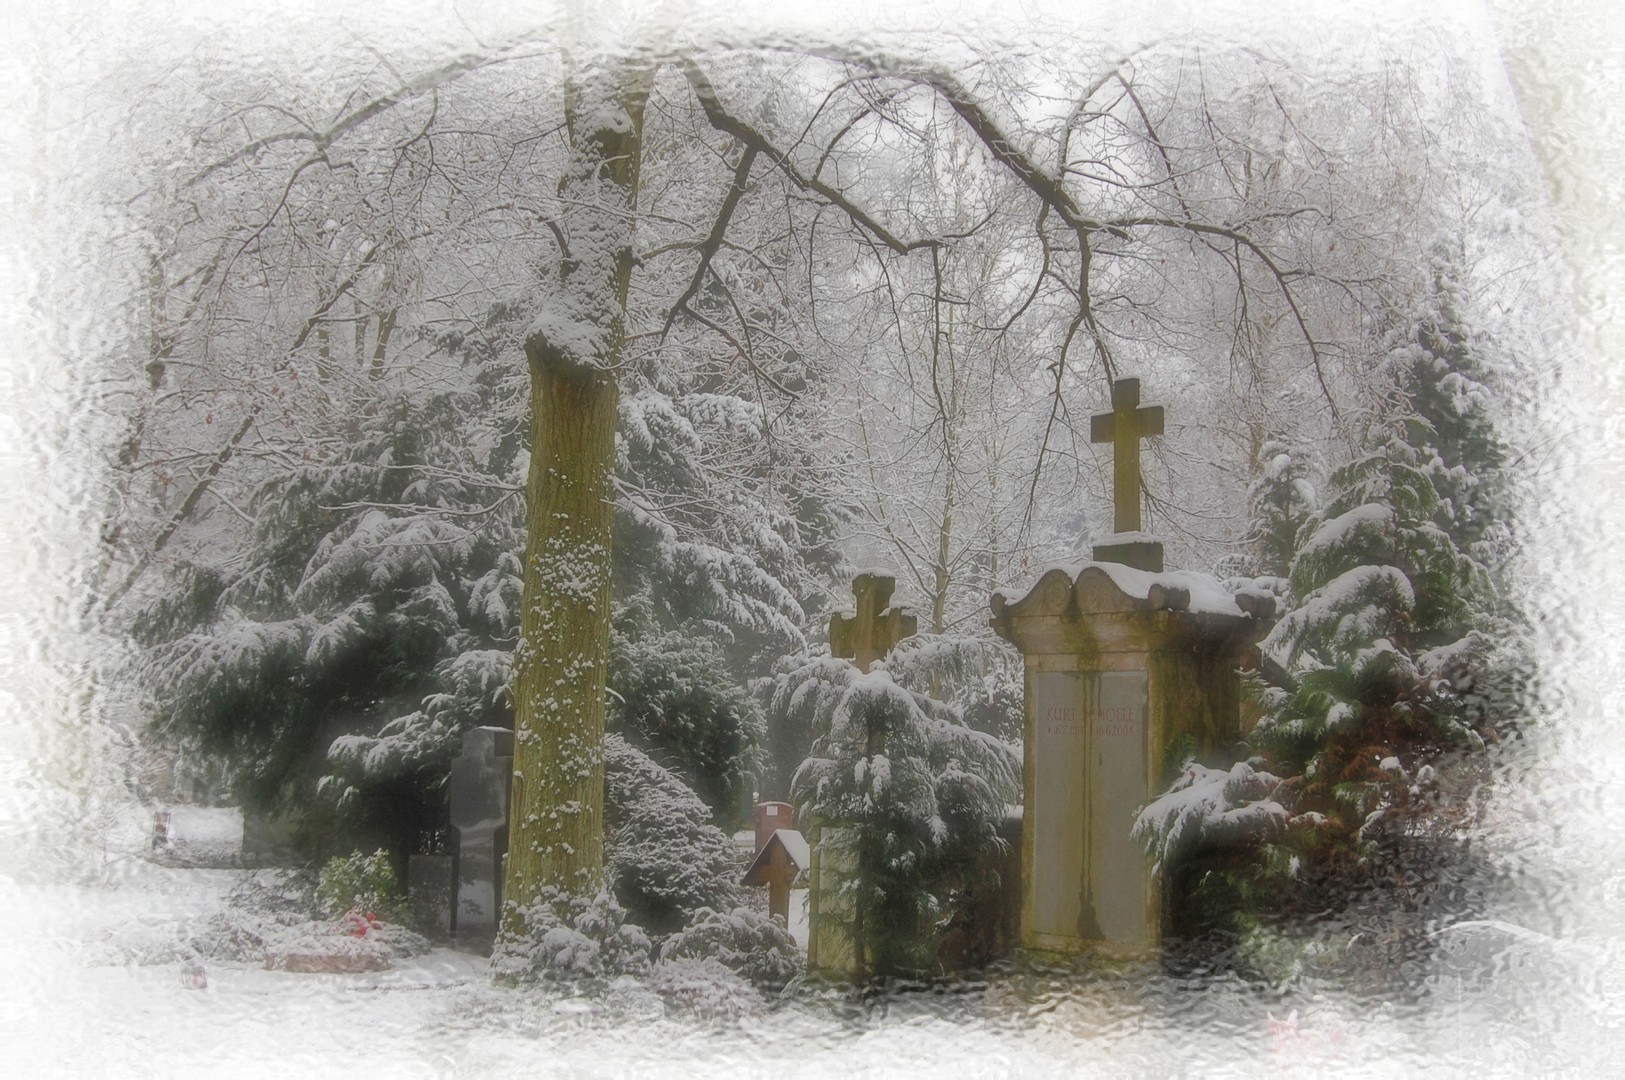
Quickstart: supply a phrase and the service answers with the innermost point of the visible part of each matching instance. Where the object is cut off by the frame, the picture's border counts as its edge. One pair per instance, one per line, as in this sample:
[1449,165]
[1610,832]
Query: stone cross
[1124,427]
[876,628]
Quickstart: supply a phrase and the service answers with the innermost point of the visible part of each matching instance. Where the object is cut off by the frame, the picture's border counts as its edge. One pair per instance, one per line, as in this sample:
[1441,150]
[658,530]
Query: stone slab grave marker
[1124,427]
[478,791]
[1123,662]
[864,637]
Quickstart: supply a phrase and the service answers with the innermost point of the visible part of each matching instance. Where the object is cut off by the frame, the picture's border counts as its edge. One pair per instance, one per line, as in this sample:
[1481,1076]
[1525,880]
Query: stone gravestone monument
[876,627]
[478,790]
[1123,660]
[867,635]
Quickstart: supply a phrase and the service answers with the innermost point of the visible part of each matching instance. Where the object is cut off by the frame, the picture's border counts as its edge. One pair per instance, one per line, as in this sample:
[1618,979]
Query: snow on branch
[1350,611]
[1209,807]
[730,124]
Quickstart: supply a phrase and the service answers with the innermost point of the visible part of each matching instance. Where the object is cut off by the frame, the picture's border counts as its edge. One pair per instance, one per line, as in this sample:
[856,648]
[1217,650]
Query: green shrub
[367,882]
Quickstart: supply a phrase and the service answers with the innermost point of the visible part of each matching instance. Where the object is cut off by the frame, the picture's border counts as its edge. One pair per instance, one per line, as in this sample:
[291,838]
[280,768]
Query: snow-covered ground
[88,990]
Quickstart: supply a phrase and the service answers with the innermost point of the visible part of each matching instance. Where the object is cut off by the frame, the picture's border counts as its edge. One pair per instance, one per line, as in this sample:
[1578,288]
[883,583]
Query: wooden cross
[876,629]
[1124,427]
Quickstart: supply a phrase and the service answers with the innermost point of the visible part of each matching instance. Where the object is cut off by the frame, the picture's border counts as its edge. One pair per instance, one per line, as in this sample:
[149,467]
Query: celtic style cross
[876,629]
[1124,427]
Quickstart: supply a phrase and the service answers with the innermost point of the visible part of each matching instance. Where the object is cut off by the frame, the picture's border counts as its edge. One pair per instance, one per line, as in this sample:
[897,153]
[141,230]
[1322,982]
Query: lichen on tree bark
[574,351]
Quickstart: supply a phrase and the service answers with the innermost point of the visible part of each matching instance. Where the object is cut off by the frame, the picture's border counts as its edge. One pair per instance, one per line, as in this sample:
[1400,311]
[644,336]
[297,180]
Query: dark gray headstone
[428,893]
[478,794]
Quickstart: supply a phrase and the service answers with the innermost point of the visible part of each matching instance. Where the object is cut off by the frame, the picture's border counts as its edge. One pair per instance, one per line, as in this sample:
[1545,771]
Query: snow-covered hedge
[572,938]
[748,943]
[664,858]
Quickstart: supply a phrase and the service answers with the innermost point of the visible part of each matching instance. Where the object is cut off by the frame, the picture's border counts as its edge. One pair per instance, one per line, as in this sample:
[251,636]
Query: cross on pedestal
[876,629]
[1124,427]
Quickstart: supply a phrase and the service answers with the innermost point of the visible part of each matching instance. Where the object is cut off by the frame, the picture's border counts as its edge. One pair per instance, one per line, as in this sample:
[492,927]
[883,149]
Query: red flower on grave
[360,922]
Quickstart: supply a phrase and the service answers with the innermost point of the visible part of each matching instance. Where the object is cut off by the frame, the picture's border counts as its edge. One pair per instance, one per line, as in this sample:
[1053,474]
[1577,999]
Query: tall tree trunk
[574,347]
[360,332]
[380,351]
[943,576]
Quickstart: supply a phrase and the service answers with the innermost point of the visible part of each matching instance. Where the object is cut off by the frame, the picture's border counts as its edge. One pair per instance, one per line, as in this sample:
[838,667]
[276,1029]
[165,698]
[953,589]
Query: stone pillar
[1121,665]
[828,951]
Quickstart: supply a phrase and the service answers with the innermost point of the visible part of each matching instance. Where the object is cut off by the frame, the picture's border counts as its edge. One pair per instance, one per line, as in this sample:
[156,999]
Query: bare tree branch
[713,242]
[725,121]
[321,139]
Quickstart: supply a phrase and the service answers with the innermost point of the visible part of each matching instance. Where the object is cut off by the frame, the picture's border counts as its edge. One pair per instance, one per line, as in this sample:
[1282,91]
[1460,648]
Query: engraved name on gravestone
[478,795]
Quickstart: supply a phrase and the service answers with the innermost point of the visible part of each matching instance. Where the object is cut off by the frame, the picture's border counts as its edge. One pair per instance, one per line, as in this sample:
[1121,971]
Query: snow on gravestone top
[1177,590]
[795,847]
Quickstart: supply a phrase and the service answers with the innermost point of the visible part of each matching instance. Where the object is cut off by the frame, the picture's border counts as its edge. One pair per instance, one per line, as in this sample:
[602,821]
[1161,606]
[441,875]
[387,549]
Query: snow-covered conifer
[1445,370]
[1281,499]
[725,530]
[664,858]
[369,617]
[363,625]
[905,800]
[978,675]
[1391,657]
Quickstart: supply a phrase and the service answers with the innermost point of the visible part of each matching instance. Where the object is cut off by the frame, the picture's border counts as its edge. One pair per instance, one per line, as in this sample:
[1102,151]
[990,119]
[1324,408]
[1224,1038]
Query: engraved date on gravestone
[1062,720]
[1116,722]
